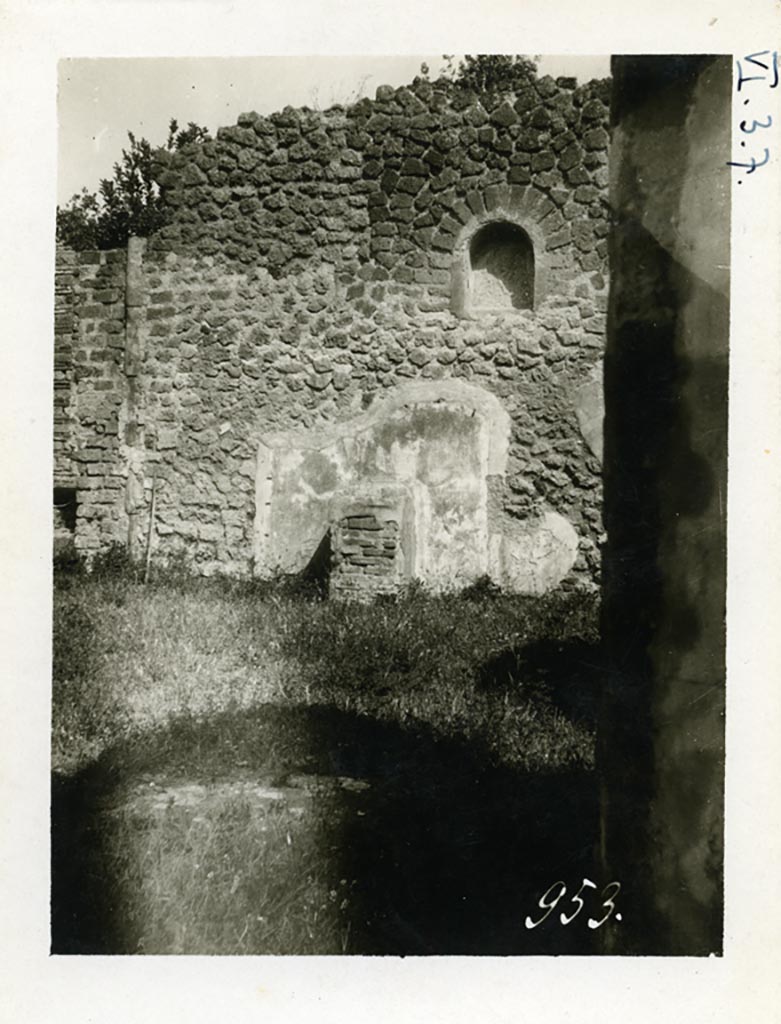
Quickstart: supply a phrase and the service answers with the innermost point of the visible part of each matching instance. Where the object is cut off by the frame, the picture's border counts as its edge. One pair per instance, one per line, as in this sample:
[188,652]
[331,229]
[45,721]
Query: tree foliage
[492,72]
[127,204]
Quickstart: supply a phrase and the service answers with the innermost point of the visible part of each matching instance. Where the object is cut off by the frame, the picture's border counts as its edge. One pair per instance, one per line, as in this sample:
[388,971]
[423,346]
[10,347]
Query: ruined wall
[316,259]
[65,470]
[90,392]
[64,331]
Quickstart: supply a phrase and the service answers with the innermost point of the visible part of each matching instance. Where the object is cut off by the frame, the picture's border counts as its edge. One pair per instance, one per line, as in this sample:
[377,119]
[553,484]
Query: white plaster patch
[590,410]
[440,440]
[534,557]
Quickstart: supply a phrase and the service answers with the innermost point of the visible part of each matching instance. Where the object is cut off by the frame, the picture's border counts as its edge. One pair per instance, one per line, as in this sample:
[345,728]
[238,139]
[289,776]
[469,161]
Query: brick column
[135,502]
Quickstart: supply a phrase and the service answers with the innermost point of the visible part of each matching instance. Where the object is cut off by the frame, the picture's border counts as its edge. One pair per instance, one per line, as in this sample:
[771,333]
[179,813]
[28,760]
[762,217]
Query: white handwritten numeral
[607,901]
[547,907]
[577,898]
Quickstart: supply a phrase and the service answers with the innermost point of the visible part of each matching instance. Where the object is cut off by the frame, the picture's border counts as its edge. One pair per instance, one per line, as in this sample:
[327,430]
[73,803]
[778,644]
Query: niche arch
[500,268]
[502,263]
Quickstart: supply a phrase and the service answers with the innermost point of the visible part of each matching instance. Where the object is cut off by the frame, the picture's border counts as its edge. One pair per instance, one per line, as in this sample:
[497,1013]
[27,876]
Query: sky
[100,100]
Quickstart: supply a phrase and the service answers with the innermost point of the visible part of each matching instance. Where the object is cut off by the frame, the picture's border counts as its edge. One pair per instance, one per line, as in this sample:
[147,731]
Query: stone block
[420,357]
[594,110]
[540,117]
[570,156]
[504,115]
[519,176]
[596,139]
[583,235]
[586,194]
[577,175]
[318,381]
[410,185]
[559,238]
[475,202]
[413,167]
[193,175]
[543,161]
[589,405]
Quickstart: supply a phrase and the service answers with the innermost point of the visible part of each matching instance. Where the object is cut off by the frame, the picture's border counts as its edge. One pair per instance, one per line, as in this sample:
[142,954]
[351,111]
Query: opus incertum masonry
[394,309]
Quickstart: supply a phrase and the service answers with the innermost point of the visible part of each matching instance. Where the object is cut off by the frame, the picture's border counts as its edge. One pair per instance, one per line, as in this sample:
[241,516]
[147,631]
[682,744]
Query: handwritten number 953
[548,902]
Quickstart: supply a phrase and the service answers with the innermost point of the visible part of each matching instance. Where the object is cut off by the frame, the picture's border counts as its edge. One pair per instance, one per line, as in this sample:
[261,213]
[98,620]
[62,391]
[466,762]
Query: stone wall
[317,259]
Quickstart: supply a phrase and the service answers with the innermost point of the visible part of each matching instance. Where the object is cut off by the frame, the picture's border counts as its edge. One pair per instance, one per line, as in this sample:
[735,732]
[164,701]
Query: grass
[230,876]
[462,717]
[129,659]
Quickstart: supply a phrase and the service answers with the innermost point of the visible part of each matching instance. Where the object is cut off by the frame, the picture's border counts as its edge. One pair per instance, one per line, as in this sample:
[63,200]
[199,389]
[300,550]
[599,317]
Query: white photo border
[743,984]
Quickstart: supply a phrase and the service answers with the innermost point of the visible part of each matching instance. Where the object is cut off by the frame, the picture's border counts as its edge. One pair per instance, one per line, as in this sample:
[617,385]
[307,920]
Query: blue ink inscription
[767,61]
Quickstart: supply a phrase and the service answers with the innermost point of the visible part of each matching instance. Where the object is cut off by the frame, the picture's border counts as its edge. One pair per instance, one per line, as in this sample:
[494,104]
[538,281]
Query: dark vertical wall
[661,745]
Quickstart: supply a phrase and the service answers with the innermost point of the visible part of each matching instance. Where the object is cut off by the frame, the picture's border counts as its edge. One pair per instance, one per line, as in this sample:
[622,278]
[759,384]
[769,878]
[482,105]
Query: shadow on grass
[567,673]
[446,853]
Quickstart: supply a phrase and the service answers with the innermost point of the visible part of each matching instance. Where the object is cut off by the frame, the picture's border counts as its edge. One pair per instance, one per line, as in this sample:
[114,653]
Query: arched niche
[500,261]
[500,272]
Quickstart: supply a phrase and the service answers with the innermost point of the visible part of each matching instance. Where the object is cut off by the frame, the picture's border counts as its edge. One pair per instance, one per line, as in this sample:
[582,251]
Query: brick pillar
[66,272]
[135,501]
[371,543]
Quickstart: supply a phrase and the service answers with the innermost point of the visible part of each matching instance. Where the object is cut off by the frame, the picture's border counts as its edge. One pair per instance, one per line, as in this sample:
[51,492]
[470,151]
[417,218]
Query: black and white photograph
[392,408]
[352,572]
